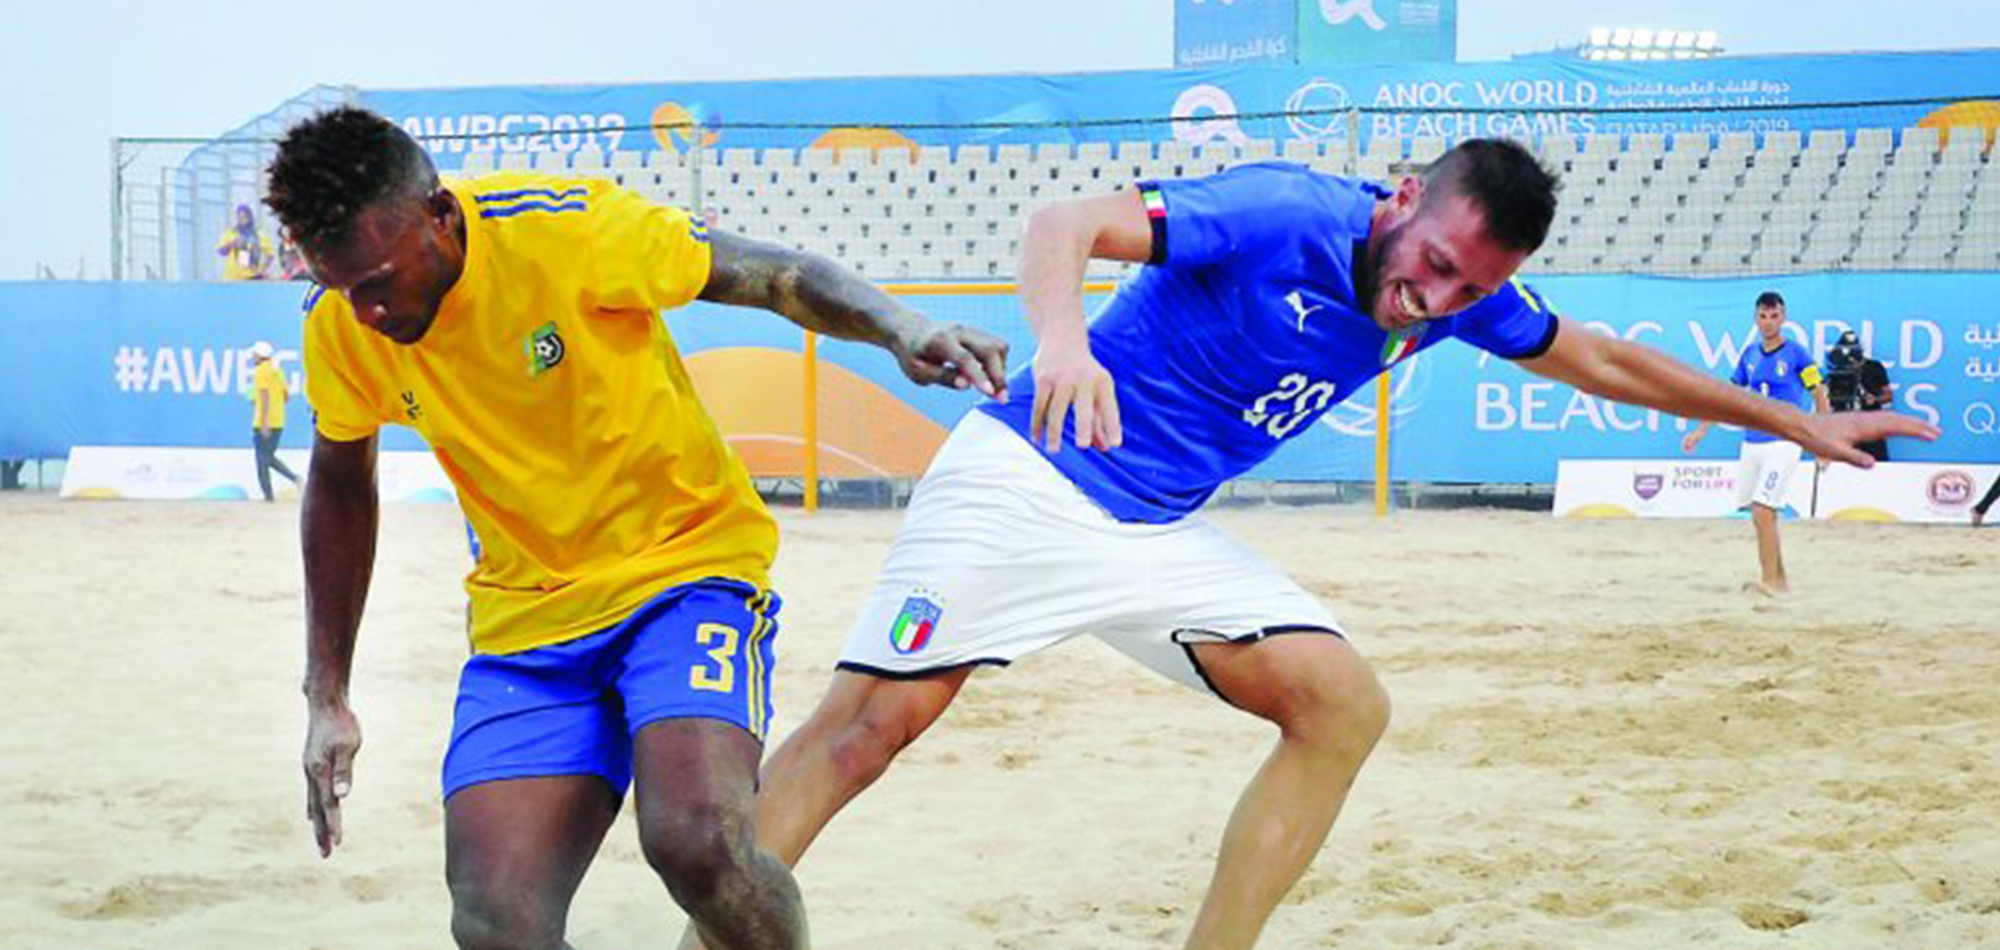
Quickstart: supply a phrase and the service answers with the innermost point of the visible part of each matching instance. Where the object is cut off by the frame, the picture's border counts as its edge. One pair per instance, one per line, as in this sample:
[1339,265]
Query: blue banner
[145,364]
[1378,31]
[1211,33]
[1521,98]
[168,365]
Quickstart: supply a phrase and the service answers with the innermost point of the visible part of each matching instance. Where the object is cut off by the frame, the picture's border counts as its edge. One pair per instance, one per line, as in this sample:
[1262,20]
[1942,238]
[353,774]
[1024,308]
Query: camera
[1843,373]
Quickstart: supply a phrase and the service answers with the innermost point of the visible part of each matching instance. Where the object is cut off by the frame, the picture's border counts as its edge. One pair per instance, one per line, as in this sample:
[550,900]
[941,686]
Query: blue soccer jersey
[1784,374]
[1242,330]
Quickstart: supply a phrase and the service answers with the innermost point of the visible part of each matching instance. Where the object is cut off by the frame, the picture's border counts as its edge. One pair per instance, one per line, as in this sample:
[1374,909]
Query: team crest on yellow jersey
[545,349]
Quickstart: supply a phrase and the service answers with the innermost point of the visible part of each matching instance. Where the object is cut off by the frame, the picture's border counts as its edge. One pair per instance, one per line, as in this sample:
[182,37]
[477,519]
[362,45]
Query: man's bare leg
[694,782]
[845,745]
[515,852]
[1330,711]
[1770,558]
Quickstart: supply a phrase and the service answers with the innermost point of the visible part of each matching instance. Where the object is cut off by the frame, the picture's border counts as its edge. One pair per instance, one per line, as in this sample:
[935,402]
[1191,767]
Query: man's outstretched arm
[337,526]
[826,298]
[1634,373]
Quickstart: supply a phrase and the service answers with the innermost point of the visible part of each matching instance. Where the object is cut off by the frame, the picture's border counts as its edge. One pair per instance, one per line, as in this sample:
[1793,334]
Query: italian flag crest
[916,622]
[1401,343]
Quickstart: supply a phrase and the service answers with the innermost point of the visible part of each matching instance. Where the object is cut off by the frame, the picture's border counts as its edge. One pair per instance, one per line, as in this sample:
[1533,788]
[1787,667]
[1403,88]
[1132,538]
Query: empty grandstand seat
[816,159]
[1783,143]
[1335,158]
[1425,149]
[1646,146]
[1964,146]
[1824,251]
[1258,150]
[1052,153]
[1871,142]
[1827,141]
[1922,140]
[1694,144]
[974,156]
[1558,148]
[1013,155]
[1374,167]
[1134,151]
[1735,143]
[1384,149]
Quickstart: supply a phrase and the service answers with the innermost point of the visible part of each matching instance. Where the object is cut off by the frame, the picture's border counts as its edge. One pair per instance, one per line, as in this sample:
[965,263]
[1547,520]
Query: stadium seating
[1682,203]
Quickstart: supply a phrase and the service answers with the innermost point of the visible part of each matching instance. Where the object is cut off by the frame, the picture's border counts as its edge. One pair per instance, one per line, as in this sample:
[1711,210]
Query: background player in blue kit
[1781,369]
[1272,292]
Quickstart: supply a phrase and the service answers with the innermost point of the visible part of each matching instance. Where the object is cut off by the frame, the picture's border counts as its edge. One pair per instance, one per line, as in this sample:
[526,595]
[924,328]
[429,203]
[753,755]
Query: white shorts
[1764,472]
[1000,555]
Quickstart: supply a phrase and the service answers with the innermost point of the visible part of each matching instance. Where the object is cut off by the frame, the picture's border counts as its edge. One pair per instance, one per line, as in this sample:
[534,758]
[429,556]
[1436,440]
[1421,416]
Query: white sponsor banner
[116,471]
[1669,488]
[1936,493]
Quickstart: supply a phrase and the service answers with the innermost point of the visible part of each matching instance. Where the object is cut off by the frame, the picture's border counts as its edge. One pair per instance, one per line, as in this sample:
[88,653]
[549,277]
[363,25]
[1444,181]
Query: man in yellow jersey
[268,392]
[621,620]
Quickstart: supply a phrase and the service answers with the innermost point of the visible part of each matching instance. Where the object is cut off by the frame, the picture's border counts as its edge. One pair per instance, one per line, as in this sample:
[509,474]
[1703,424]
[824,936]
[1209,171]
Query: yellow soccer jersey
[270,380]
[550,391]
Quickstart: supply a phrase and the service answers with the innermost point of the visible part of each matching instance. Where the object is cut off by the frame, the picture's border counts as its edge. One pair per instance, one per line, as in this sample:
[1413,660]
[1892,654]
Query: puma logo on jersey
[1298,302]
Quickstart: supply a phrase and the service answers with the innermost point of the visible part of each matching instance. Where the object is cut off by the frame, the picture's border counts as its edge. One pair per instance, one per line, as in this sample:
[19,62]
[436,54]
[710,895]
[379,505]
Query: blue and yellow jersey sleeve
[648,256]
[341,383]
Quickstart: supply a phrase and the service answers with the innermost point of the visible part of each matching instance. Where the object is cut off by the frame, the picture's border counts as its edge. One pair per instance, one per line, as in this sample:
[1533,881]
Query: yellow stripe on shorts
[760,627]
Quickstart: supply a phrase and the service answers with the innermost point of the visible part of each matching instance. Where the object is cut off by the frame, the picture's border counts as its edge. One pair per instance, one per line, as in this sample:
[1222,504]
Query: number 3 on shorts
[721,642]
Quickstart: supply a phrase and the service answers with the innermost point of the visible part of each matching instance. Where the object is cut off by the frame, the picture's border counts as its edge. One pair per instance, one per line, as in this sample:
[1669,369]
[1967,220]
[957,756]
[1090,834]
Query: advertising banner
[1279,101]
[1904,491]
[1378,31]
[1209,33]
[186,474]
[1663,488]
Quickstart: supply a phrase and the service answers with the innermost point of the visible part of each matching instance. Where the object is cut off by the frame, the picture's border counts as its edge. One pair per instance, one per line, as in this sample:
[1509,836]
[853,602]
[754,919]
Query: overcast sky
[78,72]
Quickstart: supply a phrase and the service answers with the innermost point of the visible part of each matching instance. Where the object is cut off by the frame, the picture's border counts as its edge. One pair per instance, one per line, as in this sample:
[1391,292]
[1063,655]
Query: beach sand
[1599,742]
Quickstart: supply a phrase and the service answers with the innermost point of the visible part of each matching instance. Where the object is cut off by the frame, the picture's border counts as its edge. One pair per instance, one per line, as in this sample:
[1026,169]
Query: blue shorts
[696,651]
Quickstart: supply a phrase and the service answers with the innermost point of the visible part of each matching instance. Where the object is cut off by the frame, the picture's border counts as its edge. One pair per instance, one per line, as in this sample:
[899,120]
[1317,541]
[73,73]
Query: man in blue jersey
[1271,293]
[1780,369]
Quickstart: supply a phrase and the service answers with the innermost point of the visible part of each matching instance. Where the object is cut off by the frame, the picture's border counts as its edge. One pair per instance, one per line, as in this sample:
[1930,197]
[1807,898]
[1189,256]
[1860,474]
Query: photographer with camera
[1857,383]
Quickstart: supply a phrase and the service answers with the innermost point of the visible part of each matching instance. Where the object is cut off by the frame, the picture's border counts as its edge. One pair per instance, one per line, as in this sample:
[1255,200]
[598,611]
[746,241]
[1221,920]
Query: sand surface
[1599,743]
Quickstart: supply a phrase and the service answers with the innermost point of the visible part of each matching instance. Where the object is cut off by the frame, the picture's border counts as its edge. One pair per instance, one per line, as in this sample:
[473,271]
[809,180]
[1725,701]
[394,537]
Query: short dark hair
[336,164]
[1770,298]
[1515,190]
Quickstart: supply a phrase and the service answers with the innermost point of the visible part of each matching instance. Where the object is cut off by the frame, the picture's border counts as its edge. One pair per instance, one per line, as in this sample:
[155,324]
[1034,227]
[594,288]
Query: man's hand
[1069,377]
[1689,441]
[1834,437]
[333,736]
[947,354]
